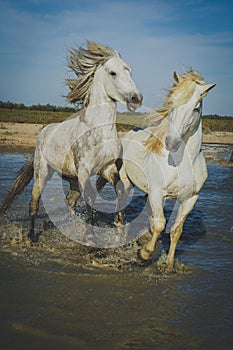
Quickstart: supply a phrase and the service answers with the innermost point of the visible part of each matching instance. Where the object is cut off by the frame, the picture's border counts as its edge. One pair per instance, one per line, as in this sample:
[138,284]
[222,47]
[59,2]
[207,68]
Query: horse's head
[118,83]
[103,74]
[185,108]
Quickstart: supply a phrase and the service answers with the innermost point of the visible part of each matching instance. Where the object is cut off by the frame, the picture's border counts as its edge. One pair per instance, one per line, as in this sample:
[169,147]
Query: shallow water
[50,299]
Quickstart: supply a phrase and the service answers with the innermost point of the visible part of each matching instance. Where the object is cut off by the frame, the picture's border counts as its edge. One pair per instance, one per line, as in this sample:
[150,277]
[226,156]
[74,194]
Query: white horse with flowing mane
[165,160]
[87,144]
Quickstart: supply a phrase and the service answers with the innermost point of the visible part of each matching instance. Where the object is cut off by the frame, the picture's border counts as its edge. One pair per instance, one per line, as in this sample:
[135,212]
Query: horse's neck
[101,113]
[101,109]
[188,151]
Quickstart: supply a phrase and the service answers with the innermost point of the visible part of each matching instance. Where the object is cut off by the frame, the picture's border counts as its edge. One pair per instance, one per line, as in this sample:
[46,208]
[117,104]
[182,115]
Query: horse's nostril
[136,98]
[167,140]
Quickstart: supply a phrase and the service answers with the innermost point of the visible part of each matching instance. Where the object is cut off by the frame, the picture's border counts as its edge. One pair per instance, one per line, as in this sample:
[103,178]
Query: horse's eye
[113,74]
[197,108]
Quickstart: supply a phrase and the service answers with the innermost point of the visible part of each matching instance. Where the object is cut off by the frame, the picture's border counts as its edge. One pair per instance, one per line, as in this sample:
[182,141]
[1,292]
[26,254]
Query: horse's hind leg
[33,209]
[177,228]
[41,177]
[88,192]
[73,194]
[122,188]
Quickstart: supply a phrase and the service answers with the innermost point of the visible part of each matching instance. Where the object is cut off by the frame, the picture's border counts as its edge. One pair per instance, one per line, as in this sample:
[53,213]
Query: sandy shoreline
[19,135]
[23,135]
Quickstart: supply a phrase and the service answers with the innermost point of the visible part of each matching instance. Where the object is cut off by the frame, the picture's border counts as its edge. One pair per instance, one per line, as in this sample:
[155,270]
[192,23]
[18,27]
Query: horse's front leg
[122,190]
[121,186]
[177,228]
[157,224]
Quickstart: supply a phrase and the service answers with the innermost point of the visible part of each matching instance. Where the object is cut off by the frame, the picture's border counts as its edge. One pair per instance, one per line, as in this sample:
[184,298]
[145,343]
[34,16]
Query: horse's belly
[68,166]
[102,156]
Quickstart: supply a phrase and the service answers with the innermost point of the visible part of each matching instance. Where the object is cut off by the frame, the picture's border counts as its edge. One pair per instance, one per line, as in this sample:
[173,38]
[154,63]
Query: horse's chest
[108,154]
[187,180]
[96,150]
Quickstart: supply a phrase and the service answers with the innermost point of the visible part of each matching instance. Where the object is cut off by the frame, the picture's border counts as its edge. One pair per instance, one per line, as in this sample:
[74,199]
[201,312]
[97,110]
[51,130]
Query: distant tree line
[216,116]
[51,108]
[38,107]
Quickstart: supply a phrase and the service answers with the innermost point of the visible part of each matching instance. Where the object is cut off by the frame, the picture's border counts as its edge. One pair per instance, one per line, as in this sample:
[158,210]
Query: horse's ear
[206,88]
[177,78]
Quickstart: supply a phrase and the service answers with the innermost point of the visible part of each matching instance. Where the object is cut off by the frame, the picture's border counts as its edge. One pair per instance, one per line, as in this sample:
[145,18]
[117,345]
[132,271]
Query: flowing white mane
[84,62]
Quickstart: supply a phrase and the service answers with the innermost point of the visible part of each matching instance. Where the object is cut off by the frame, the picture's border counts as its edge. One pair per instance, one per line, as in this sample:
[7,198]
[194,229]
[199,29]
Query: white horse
[87,144]
[165,160]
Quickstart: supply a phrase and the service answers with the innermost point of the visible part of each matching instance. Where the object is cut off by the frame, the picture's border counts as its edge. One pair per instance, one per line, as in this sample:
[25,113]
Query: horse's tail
[22,180]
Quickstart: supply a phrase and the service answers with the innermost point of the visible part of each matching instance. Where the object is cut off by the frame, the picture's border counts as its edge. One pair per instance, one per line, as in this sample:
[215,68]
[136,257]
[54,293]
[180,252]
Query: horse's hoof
[170,268]
[33,237]
[90,221]
[119,220]
[118,223]
[144,254]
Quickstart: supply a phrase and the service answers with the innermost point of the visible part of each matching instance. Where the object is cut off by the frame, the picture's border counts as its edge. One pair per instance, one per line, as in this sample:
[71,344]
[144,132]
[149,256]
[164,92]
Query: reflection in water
[46,303]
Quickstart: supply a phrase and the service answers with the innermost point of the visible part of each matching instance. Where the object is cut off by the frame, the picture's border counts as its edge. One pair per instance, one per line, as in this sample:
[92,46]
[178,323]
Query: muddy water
[56,294]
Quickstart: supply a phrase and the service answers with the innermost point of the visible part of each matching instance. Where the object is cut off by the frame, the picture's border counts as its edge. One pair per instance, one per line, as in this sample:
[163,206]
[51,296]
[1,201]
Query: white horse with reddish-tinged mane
[87,144]
[165,160]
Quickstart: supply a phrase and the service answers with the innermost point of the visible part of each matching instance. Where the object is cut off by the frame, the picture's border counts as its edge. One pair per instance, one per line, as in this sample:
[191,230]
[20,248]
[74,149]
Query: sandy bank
[23,135]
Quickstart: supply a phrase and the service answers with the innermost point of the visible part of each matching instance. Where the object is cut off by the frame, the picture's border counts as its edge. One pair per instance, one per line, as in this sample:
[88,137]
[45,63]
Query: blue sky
[154,37]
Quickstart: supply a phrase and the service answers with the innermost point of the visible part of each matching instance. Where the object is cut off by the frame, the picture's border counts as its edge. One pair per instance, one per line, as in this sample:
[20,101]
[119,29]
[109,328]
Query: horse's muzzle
[134,101]
[172,144]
